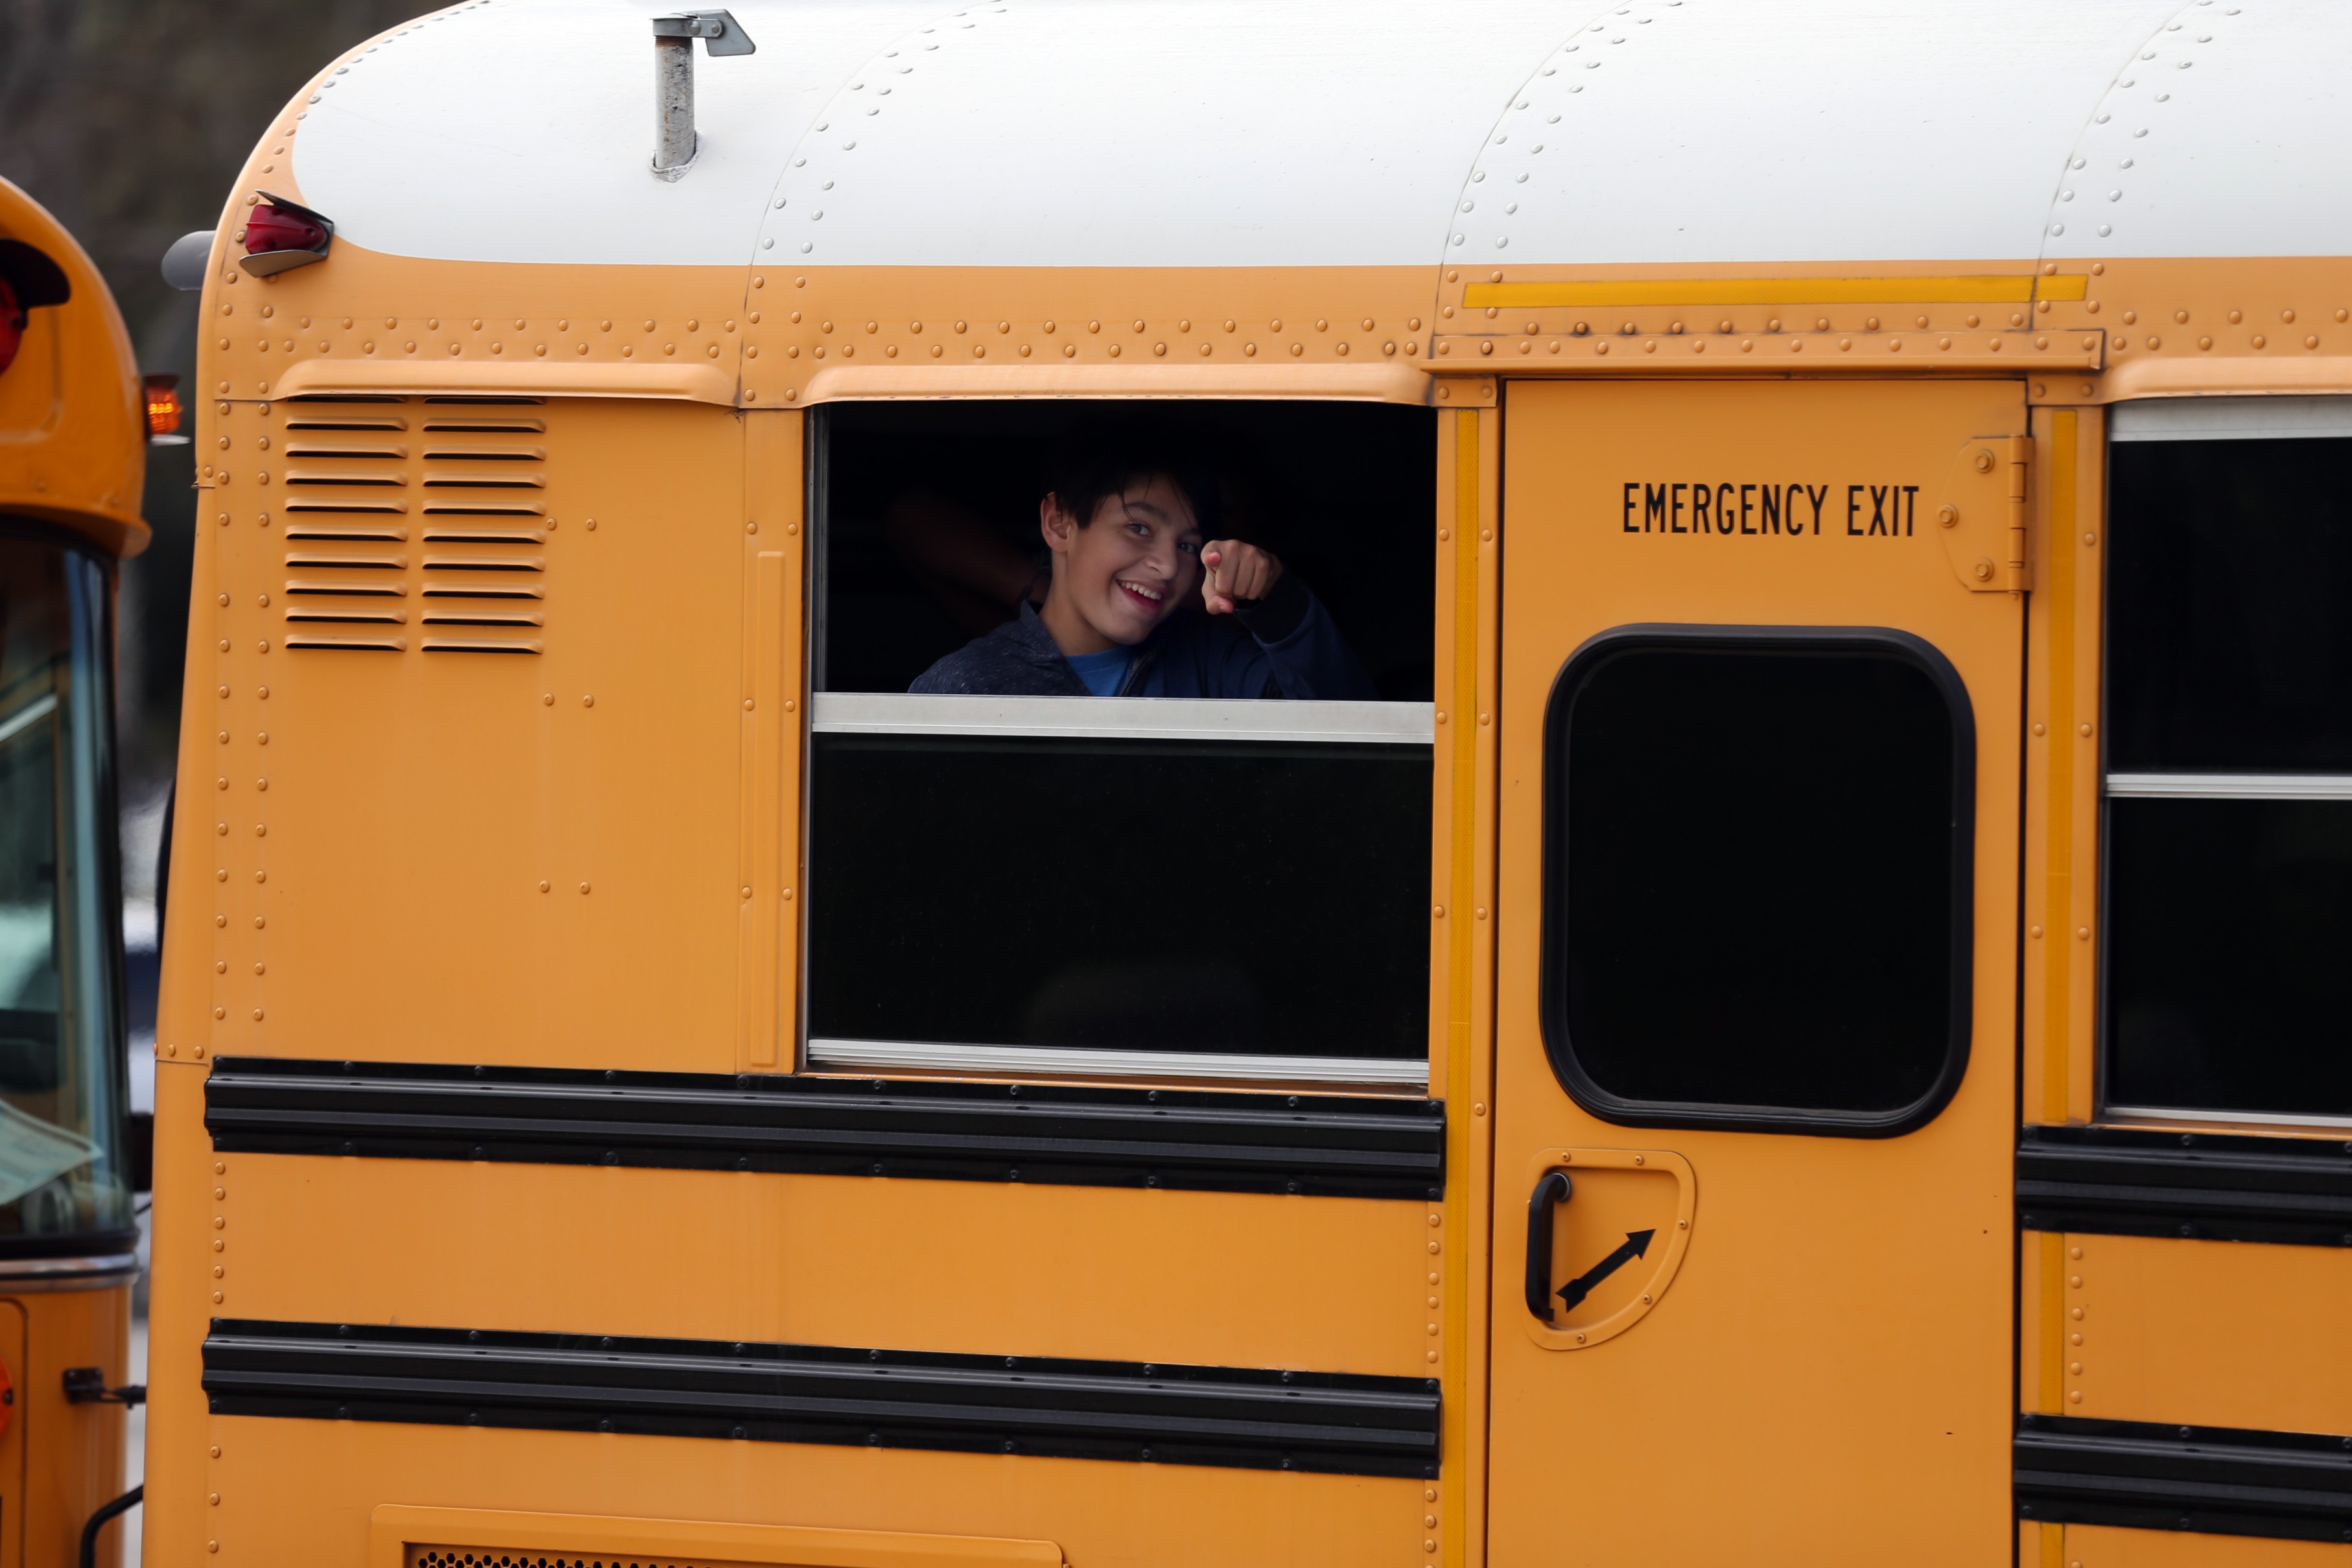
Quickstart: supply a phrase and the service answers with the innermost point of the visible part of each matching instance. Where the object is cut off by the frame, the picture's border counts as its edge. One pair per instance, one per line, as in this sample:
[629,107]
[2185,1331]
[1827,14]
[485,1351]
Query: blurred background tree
[128,119]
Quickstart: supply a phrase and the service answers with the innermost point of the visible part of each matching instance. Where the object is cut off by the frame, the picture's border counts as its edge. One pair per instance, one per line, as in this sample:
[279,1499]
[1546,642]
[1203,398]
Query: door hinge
[2021,498]
[1984,512]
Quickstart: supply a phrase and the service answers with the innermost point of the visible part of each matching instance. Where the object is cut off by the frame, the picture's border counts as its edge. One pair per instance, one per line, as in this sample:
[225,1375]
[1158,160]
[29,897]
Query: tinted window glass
[2229,570]
[61,1045]
[1757,883]
[2228,946]
[2229,954]
[1222,896]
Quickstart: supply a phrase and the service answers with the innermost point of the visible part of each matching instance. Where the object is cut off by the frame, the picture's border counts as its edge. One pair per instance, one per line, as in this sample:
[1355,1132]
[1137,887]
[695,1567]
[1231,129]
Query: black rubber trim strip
[74,1244]
[1068,1134]
[1236,1417]
[2216,1481]
[2134,1181]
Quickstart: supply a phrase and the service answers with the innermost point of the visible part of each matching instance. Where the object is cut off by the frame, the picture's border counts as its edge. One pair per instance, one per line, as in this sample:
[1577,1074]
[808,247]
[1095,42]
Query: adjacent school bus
[1807,1025]
[73,435]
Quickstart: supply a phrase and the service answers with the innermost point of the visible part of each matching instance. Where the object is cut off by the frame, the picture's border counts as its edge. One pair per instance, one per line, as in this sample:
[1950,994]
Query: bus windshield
[61,1052]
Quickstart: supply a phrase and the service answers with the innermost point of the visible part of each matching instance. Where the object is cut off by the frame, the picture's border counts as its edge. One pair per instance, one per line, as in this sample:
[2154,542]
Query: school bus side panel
[1237,1280]
[1215,1279]
[509,842]
[1112,1513]
[446,865]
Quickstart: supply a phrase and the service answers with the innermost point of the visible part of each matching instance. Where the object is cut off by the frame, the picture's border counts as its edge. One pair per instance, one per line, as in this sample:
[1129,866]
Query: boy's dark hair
[1101,461]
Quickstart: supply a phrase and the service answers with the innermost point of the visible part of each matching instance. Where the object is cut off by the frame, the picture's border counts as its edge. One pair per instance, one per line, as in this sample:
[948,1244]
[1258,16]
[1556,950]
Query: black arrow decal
[1636,1243]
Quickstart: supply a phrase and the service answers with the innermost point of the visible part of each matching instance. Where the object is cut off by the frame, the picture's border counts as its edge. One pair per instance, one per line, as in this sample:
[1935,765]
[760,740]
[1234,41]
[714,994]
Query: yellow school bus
[74,423]
[1793,1016]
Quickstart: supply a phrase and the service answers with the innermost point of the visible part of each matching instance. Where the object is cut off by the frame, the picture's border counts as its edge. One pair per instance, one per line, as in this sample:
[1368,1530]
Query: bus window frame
[816,508]
[2173,420]
[1551,1007]
[1332,723]
[105,798]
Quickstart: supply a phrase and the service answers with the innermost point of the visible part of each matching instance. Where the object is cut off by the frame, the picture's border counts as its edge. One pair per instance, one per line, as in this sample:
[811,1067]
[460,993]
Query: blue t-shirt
[1287,638]
[1103,673]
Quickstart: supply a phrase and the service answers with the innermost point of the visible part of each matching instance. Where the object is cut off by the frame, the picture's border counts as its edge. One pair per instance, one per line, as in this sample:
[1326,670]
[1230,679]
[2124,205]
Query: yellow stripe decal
[1460,894]
[2058,867]
[2057,956]
[1991,289]
[1466,732]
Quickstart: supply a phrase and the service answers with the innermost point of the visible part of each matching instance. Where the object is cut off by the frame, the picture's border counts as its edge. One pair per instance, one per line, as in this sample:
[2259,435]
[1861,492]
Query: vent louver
[415,521]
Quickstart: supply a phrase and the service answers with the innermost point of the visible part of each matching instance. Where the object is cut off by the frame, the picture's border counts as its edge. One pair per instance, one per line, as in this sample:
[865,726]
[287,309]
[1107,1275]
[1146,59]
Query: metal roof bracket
[676,142]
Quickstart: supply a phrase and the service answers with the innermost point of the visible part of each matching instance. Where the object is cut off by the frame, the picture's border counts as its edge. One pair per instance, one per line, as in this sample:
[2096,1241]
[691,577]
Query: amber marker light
[165,411]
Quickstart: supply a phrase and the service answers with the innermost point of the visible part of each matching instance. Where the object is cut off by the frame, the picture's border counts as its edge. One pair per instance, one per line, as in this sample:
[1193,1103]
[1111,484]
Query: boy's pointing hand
[1233,571]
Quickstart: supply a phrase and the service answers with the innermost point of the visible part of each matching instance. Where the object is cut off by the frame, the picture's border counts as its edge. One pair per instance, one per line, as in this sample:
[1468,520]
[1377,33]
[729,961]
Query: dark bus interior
[1342,493]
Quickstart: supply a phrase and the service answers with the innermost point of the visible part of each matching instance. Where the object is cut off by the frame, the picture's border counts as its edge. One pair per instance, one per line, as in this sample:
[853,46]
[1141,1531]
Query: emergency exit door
[1754,1088]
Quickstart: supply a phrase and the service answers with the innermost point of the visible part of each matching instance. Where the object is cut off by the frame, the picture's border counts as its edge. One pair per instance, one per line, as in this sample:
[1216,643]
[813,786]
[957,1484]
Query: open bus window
[932,537]
[2229,767]
[1032,866]
[1757,879]
[61,1051]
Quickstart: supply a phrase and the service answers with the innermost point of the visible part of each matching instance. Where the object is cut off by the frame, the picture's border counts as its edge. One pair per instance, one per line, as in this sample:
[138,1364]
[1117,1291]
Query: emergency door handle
[1555,1188]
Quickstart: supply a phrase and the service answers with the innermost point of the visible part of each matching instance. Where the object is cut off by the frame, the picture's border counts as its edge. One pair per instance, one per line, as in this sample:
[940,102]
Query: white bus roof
[1374,133]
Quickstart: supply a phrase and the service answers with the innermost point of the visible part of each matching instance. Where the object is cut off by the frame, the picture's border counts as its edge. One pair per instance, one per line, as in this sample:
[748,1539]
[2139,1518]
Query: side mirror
[184,263]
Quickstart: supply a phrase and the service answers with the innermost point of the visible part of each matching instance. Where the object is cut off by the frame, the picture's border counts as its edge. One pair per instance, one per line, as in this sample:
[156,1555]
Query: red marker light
[280,234]
[276,228]
[164,409]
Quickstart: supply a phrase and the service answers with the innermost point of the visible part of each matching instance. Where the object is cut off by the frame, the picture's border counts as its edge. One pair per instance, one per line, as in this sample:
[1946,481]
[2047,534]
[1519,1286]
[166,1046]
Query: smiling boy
[1130,558]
